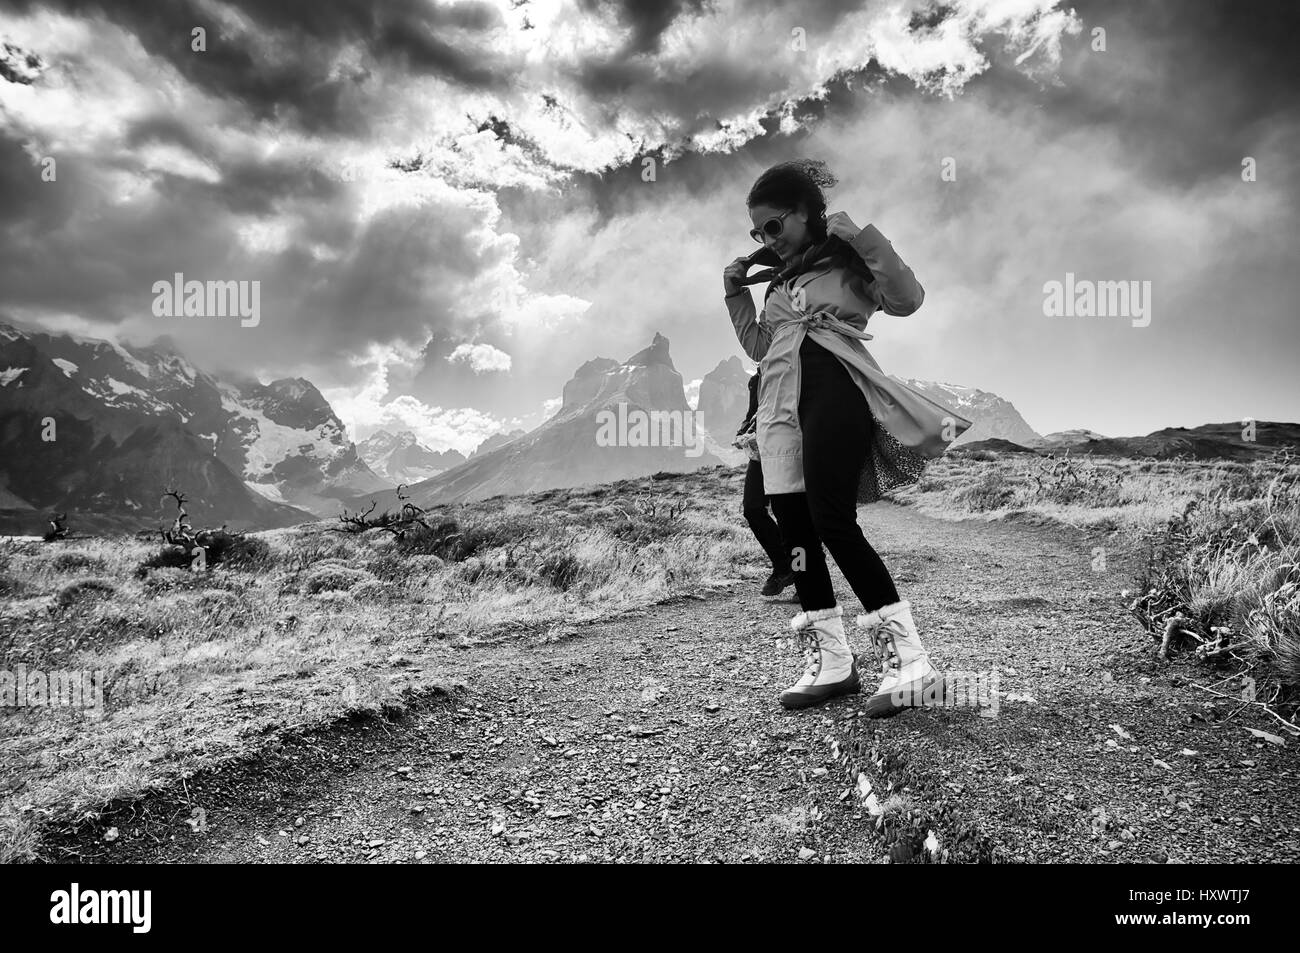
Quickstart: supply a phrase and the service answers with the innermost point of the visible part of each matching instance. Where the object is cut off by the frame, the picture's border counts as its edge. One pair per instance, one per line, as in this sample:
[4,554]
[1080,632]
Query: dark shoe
[777,583]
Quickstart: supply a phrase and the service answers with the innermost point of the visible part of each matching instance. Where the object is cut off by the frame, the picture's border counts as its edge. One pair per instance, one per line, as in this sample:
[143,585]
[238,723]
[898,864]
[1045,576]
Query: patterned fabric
[891,466]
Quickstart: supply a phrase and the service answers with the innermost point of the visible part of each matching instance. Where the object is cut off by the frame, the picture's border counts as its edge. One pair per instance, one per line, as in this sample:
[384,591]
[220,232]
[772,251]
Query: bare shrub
[988,491]
[332,578]
[83,590]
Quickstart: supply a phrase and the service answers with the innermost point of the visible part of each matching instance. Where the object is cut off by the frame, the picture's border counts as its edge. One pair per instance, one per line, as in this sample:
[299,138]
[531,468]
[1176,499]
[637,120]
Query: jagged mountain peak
[656,353]
[733,367]
[595,367]
[598,435]
[387,440]
[402,458]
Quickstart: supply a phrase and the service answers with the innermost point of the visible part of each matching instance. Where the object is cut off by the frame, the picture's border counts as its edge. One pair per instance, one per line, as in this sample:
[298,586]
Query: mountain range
[724,398]
[567,451]
[994,417]
[401,458]
[1222,441]
[102,430]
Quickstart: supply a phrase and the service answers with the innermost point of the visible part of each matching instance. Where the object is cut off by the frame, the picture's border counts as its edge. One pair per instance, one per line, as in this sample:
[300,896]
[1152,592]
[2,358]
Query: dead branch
[58,528]
[1294,729]
[182,533]
[396,523]
[359,521]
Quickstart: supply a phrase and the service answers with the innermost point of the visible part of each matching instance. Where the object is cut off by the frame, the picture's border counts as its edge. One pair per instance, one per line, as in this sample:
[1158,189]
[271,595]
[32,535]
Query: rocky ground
[656,737]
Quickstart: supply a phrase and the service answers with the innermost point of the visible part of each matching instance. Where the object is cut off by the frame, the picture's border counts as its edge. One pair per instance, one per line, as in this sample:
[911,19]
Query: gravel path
[657,737]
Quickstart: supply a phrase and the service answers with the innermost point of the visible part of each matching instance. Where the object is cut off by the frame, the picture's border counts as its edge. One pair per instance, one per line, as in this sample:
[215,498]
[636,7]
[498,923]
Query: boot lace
[812,650]
[881,635]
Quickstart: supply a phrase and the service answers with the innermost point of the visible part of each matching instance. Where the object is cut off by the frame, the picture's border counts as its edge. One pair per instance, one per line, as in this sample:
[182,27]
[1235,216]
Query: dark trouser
[765,530]
[836,429]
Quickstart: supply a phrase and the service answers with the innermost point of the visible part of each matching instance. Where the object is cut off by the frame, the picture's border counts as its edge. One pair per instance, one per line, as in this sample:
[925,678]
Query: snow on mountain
[994,417]
[401,458]
[282,438]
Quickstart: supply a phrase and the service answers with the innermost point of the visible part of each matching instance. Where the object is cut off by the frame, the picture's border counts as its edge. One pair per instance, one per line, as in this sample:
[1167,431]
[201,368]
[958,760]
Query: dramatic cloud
[433,193]
[483,358]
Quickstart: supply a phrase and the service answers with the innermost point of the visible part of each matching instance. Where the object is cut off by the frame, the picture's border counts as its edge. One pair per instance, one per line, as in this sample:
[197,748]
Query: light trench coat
[831,304]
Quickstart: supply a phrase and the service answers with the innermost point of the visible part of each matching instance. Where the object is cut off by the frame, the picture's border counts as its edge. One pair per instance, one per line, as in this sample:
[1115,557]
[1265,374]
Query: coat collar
[813,261]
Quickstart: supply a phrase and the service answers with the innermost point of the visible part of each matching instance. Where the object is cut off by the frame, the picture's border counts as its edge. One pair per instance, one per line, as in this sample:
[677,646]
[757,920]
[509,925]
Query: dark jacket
[748,422]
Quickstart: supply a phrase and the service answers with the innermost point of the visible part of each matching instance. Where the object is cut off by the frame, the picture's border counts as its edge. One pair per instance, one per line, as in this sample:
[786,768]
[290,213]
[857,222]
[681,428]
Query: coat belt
[829,322]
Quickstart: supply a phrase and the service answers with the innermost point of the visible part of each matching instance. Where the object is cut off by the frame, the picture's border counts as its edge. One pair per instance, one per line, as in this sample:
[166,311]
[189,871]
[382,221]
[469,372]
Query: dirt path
[657,737]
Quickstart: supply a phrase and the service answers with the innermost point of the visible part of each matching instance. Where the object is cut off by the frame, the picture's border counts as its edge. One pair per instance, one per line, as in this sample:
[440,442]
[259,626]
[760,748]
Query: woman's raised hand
[840,225]
[734,273]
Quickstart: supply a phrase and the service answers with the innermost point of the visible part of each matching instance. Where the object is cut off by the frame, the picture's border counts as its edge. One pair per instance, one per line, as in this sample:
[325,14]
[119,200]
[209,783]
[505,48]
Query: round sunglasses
[772,228]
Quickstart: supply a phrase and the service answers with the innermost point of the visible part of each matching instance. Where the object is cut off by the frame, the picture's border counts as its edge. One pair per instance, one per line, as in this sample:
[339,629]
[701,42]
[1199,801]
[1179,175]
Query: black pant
[836,429]
[765,530]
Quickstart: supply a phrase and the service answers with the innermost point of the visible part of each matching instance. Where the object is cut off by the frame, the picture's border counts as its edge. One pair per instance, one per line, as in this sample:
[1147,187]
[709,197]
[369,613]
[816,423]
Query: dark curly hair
[788,184]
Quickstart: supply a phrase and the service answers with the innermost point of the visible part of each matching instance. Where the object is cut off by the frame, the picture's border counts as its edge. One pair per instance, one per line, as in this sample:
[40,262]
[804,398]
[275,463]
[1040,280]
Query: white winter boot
[909,680]
[831,668]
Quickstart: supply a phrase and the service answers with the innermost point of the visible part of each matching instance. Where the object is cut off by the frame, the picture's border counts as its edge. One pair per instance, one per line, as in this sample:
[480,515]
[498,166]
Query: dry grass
[1105,493]
[199,666]
[1222,539]
[303,625]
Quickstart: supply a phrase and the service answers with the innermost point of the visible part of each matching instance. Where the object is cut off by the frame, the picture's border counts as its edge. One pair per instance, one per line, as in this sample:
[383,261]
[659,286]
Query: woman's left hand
[840,225]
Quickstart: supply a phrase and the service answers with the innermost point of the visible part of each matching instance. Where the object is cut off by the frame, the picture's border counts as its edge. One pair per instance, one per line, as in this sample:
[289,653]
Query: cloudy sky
[448,208]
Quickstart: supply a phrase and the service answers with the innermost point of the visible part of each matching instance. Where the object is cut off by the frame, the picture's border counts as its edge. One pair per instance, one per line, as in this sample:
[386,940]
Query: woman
[833,429]
[754,502]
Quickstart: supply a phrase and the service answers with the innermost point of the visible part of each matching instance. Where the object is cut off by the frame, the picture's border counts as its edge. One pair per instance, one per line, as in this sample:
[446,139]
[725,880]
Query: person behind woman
[754,502]
[833,429]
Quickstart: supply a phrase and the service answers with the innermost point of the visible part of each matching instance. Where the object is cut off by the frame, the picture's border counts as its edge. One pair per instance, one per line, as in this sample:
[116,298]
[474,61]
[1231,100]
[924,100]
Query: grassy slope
[1222,539]
[200,666]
